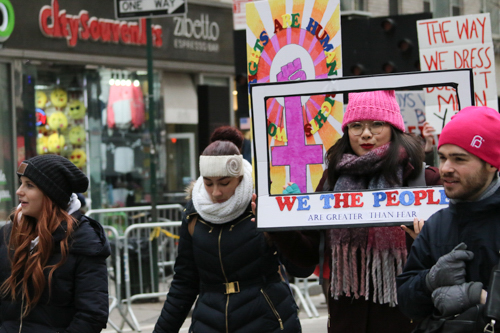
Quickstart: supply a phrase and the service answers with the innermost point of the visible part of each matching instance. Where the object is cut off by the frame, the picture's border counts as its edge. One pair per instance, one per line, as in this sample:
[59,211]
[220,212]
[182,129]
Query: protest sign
[309,209]
[354,209]
[412,105]
[297,40]
[457,42]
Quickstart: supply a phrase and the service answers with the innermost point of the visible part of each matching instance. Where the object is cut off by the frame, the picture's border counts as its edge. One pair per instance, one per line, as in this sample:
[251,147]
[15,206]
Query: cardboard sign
[310,210]
[354,209]
[412,105]
[457,42]
[289,41]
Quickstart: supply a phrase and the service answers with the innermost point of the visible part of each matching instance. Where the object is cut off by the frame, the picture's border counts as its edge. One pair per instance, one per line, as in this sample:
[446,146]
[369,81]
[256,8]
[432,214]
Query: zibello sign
[56,23]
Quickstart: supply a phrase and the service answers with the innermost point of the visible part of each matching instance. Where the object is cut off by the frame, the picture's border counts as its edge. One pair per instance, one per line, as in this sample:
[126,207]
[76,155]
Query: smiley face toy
[76,109]
[42,143]
[58,121]
[41,99]
[77,135]
[78,157]
[59,98]
[55,143]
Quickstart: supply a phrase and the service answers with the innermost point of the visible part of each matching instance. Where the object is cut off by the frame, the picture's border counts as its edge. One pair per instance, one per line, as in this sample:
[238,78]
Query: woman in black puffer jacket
[223,260]
[53,275]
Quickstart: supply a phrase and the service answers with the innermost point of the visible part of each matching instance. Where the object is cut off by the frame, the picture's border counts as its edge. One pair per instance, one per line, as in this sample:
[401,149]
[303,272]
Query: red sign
[55,23]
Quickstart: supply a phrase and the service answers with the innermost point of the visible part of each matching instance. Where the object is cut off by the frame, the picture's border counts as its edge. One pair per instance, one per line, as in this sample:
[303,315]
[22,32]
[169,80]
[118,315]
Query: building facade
[74,82]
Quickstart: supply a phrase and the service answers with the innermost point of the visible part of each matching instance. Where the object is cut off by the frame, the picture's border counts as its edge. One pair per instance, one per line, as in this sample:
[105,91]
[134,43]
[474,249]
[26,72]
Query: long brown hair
[411,144]
[28,265]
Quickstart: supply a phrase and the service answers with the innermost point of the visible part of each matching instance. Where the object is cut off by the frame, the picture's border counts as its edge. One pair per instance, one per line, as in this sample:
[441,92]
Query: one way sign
[131,9]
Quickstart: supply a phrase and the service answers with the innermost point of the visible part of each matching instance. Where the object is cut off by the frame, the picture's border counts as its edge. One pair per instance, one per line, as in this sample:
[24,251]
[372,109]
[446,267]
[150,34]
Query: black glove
[452,300]
[449,269]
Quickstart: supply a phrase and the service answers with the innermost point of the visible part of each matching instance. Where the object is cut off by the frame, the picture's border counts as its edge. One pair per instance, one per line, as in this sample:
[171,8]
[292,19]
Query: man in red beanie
[449,266]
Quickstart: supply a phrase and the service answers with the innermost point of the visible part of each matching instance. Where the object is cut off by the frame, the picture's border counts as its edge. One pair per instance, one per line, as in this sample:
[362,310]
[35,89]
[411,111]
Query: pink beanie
[475,129]
[378,105]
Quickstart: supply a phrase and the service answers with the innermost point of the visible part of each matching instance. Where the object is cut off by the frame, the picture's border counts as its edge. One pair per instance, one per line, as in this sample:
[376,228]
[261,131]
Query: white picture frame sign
[318,210]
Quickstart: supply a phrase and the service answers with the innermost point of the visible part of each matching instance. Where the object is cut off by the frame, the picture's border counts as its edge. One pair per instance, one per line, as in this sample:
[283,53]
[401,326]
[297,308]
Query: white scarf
[230,209]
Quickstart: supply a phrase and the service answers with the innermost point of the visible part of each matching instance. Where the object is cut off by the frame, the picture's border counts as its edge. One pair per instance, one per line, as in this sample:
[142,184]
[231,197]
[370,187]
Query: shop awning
[180,99]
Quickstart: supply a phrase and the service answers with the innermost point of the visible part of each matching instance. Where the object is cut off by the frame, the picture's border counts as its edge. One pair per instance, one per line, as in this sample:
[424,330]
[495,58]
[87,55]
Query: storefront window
[8,180]
[125,138]
[97,118]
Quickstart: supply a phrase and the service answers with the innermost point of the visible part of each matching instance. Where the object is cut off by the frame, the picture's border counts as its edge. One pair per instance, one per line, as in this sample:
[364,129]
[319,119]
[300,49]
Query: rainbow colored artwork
[291,40]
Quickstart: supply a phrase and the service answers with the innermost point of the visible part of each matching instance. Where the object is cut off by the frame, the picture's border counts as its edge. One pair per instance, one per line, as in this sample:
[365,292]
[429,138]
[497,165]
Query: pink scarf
[382,250]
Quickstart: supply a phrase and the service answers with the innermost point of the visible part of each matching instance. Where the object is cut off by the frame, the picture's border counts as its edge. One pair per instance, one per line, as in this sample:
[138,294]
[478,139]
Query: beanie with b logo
[475,129]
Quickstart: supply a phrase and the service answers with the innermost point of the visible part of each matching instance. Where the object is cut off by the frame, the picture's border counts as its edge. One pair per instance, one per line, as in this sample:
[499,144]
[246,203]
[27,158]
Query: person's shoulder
[323,181]
[432,176]
[5,231]
[5,227]
[439,222]
[89,238]
[189,209]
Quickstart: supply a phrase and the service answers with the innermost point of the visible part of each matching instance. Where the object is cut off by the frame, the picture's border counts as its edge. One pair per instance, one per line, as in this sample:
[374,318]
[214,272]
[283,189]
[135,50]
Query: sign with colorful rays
[318,210]
[297,40]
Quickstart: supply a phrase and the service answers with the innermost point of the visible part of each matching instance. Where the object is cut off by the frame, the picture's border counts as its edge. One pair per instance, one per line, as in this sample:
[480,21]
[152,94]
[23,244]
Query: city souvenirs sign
[54,22]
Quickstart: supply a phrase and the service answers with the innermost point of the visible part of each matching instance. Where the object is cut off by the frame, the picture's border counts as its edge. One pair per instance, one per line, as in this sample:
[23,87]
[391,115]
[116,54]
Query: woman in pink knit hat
[374,153]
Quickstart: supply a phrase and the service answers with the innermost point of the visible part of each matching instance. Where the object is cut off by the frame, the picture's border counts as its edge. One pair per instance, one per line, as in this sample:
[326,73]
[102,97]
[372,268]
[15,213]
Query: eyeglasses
[375,127]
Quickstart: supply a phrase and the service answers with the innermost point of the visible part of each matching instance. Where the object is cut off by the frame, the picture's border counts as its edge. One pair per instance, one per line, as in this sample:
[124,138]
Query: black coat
[220,253]
[79,293]
[477,224]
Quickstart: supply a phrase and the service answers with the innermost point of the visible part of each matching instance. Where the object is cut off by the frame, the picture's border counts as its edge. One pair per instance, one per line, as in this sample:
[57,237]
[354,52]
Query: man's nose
[446,167]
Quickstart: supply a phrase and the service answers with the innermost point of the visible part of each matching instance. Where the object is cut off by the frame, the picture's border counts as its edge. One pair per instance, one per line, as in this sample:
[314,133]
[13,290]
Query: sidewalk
[147,314]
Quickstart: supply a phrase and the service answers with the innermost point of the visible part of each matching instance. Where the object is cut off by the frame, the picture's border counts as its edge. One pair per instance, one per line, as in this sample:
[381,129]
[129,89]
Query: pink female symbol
[296,153]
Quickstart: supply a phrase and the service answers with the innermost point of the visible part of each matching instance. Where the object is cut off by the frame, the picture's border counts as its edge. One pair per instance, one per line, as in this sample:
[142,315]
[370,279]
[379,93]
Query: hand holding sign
[418,224]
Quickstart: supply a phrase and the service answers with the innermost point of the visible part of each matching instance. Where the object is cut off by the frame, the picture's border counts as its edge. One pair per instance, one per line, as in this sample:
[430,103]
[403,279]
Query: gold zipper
[235,224]
[225,277]
[273,309]
[227,306]
[222,266]
[208,225]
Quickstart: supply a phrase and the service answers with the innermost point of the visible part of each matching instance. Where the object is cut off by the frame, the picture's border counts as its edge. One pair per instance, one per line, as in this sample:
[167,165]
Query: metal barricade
[139,265]
[301,288]
[114,264]
[122,217]
[148,283]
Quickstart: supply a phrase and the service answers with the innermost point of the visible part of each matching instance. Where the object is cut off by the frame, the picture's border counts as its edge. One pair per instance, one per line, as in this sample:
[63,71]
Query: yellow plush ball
[76,109]
[78,157]
[77,135]
[55,143]
[59,98]
[42,143]
[41,99]
[58,121]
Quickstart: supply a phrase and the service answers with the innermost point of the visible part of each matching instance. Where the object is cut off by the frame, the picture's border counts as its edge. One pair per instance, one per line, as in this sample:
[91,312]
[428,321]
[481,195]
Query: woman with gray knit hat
[53,274]
[373,153]
[223,260]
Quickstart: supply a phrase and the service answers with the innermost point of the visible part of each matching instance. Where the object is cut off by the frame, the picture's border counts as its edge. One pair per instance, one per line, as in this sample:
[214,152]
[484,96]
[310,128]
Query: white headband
[221,166]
